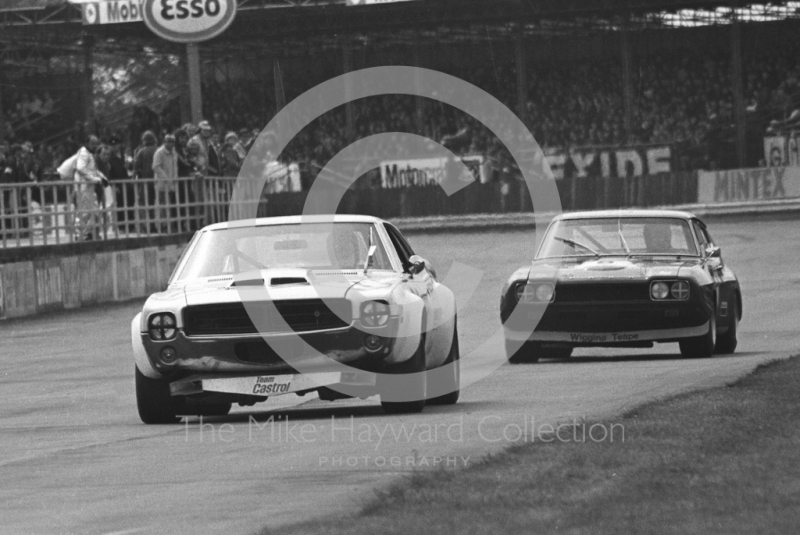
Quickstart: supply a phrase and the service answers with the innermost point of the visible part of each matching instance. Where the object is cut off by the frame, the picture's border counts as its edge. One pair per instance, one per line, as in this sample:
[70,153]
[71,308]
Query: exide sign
[188,21]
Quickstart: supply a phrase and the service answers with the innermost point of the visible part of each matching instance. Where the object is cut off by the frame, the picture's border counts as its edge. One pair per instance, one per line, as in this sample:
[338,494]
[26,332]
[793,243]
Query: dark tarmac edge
[715,461]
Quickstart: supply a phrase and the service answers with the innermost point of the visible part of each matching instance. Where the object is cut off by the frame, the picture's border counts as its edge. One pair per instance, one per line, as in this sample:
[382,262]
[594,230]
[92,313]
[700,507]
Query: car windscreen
[316,246]
[618,236]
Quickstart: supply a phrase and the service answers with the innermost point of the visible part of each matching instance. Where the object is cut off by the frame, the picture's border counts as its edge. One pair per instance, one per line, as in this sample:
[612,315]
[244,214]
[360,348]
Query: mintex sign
[741,185]
[112,12]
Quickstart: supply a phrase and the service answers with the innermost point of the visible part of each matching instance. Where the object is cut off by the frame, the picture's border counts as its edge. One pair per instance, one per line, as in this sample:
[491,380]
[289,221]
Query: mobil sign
[188,21]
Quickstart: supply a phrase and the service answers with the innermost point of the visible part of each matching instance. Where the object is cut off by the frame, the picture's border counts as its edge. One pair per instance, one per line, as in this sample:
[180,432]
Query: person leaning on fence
[165,170]
[199,165]
[82,169]
[143,169]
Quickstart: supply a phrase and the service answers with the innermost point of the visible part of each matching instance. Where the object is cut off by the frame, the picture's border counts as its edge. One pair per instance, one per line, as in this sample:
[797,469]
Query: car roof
[295,219]
[625,213]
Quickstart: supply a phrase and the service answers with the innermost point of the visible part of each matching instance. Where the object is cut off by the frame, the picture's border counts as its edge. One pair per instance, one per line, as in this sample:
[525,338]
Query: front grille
[608,292]
[300,316]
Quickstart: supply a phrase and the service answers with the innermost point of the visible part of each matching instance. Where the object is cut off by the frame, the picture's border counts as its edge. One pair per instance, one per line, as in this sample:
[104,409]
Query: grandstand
[703,76]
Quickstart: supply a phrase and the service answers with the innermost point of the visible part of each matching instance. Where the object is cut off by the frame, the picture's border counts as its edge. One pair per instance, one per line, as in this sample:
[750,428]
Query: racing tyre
[726,343]
[527,352]
[701,347]
[452,381]
[221,409]
[154,402]
[409,382]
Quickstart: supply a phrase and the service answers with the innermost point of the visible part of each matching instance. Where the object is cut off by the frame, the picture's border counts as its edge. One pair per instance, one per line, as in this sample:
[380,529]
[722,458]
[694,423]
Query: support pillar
[627,86]
[193,81]
[347,61]
[522,74]
[738,90]
[88,85]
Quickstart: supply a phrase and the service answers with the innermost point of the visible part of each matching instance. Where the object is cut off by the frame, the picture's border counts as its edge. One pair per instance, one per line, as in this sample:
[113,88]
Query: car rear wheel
[701,347]
[408,383]
[154,402]
[529,352]
[452,381]
[726,343]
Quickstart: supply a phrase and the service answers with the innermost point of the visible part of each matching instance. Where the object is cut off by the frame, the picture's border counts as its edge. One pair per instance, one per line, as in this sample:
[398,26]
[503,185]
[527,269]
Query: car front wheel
[154,402]
[408,383]
[451,370]
[701,347]
[726,343]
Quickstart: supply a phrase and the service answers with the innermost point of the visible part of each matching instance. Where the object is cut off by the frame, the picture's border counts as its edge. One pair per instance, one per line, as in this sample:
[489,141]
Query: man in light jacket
[165,172]
[87,210]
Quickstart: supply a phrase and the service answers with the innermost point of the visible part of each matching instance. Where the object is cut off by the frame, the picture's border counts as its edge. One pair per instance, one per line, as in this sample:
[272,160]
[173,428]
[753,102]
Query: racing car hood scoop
[607,265]
[268,285]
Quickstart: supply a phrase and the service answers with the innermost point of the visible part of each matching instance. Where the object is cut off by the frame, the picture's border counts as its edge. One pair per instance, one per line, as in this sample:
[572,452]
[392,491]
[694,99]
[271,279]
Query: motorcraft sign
[188,21]
[428,171]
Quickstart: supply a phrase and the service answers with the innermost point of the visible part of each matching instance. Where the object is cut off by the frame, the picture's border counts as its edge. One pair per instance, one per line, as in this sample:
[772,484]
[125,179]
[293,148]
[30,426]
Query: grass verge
[721,461]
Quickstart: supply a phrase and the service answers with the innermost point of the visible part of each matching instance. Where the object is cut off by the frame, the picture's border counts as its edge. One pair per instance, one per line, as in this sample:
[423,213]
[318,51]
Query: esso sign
[188,21]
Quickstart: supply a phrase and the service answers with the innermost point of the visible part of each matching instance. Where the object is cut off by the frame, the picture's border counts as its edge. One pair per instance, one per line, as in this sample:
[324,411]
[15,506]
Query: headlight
[680,290]
[162,326]
[535,292]
[659,290]
[375,314]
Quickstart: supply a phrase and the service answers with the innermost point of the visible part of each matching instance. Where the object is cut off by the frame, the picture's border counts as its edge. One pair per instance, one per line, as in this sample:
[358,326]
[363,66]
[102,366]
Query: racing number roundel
[188,21]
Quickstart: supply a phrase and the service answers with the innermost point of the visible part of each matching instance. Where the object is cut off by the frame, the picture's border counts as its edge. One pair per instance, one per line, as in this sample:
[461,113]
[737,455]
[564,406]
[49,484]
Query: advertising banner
[427,171]
[112,11]
[607,162]
[740,185]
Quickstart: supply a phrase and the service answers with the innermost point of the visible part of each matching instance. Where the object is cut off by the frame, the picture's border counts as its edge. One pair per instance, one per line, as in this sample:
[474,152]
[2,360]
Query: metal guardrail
[51,213]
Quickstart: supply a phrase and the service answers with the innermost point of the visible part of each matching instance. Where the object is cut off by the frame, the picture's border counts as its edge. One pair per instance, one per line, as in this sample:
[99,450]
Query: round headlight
[680,290]
[659,290]
[162,326]
[525,293]
[544,292]
[375,314]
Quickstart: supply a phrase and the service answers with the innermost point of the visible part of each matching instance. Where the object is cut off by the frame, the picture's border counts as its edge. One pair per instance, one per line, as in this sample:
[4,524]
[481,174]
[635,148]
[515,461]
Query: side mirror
[713,252]
[417,264]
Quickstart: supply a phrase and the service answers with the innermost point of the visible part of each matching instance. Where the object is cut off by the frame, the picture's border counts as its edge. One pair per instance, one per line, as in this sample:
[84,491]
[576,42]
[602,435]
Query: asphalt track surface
[74,457]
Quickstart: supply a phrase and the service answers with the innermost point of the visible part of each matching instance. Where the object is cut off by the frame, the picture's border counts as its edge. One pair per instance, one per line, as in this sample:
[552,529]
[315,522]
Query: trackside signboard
[741,185]
[112,11]
[188,21]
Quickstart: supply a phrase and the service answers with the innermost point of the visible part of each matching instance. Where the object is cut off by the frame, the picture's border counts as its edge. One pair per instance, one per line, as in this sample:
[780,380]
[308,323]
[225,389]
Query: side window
[404,250]
[702,236]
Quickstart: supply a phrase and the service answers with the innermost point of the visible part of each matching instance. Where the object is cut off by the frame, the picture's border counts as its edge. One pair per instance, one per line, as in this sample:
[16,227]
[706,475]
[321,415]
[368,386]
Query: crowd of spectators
[677,98]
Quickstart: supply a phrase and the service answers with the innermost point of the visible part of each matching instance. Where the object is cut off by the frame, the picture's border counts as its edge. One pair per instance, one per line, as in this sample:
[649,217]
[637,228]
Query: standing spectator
[117,170]
[197,159]
[105,193]
[207,149]
[165,168]
[185,169]
[86,176]
[143,169]
[231,161]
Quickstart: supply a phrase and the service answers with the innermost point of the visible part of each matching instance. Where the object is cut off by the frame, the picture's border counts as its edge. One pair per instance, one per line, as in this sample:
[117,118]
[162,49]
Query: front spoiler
[269,385]
[608,338]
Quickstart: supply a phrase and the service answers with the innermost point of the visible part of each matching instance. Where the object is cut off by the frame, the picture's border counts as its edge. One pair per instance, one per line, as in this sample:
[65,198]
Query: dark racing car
[622,279]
